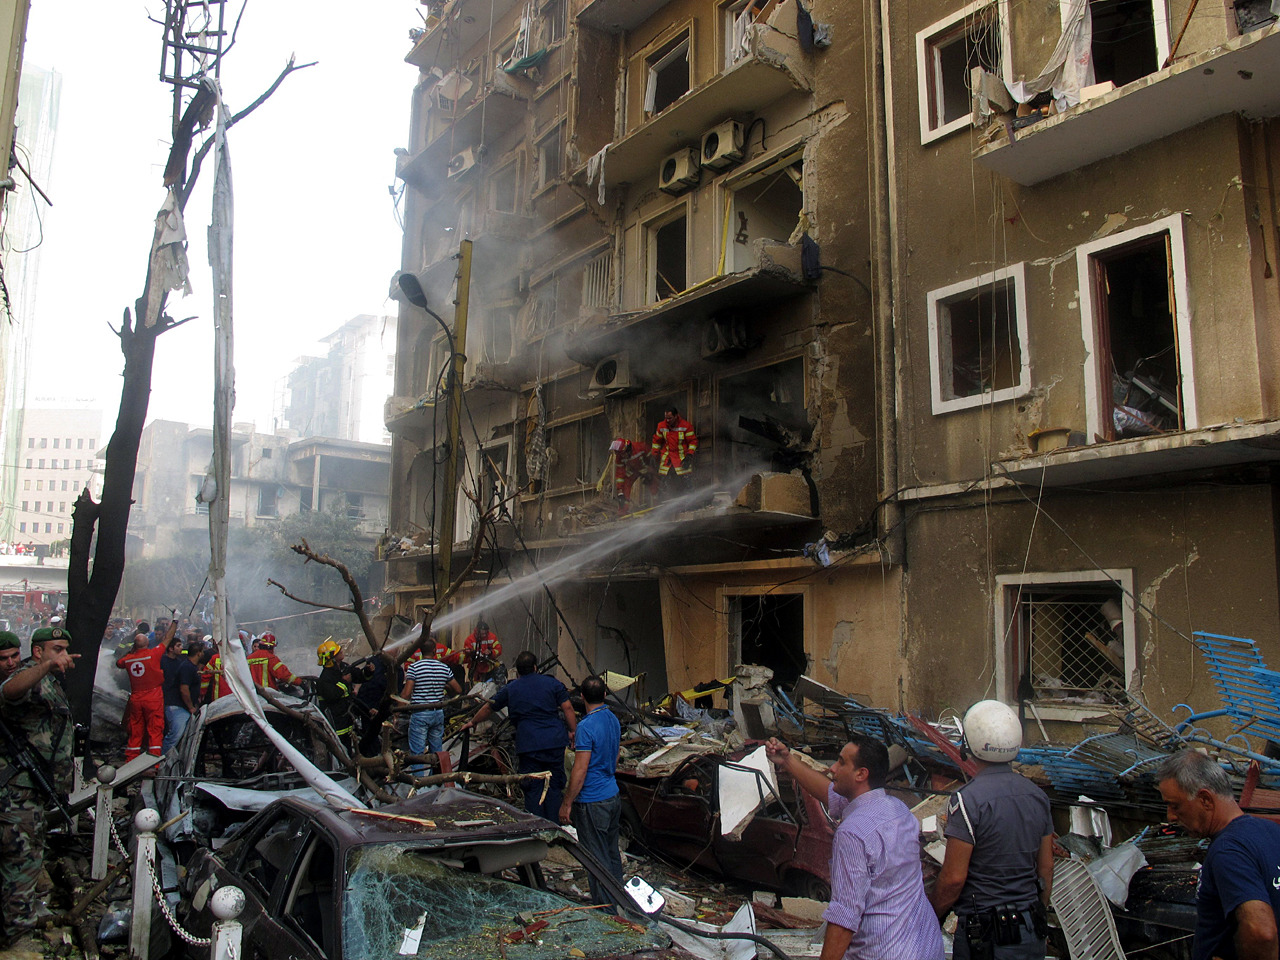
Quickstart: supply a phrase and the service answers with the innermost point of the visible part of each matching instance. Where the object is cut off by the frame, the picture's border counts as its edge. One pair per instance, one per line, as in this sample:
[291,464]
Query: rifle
[22,755]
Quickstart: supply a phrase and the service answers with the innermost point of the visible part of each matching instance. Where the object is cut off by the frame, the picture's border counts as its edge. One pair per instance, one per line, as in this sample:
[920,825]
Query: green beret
[45,634]
[9,640]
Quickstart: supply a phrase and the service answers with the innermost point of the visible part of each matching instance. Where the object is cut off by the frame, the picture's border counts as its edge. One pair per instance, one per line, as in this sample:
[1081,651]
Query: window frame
[1007,586]
[680,209]
[925,66]
[731,645]
[554,133]
[1094,387]
[680,42]
[1015,273]
[512,167]
[1160,28]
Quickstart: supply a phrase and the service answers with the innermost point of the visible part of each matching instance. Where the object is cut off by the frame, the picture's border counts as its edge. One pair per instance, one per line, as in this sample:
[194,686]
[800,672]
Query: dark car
[446,874]
[786,846]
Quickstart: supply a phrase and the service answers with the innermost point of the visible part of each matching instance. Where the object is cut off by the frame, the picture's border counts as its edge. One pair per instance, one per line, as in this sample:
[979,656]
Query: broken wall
[851,623]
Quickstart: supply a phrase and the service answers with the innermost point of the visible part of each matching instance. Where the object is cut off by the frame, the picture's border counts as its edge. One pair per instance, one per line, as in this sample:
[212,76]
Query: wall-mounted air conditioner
[461,163]
[612,376]
[724,337]
[679,172]
[722,145]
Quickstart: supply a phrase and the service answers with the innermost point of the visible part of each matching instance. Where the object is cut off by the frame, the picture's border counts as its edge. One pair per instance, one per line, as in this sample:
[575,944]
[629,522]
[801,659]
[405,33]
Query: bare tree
[92,593]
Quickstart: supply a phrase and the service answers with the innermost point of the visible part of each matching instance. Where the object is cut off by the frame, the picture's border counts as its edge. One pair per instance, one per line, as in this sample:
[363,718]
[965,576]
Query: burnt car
[786,846]
[224,768]
[448,873]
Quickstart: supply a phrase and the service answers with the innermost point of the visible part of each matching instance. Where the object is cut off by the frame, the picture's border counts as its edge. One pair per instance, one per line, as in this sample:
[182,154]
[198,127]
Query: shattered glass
[393,889]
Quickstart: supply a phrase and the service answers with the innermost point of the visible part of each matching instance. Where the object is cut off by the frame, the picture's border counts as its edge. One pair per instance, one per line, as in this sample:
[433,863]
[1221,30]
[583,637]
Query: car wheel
[802,884]
[631,830]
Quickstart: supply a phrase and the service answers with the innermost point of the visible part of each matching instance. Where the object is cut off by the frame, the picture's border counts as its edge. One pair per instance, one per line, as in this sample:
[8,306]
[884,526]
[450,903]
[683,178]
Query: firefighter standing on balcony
[266,668]
[674,444]
[635,485]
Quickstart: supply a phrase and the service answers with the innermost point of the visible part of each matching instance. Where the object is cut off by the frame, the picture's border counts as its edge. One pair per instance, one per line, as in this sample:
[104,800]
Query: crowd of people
[16,549]
[997,870]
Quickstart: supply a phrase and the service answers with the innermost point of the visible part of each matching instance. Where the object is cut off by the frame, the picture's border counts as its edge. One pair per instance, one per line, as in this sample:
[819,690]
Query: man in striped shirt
[426,682]
[878,908]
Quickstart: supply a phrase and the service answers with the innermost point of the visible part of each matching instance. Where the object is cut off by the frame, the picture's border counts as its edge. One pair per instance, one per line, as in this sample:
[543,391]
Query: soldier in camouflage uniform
[32,703]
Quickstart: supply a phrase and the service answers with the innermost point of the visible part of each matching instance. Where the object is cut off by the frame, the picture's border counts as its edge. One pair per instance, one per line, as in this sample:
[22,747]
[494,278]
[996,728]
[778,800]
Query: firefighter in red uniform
[144,716]
[481,652]
[265,667]
[674,444]
[632,463]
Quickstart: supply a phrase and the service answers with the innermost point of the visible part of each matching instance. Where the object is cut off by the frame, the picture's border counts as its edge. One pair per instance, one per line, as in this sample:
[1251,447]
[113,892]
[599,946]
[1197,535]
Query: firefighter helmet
[327,652]
[992,731]
[267,641]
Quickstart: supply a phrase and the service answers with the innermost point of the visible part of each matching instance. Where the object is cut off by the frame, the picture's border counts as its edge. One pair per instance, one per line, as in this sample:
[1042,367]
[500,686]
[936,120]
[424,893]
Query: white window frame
[925,63]
[652,70]
[1160,23]
[1007,684]
[513,168]
[1093,385]
[1016,274]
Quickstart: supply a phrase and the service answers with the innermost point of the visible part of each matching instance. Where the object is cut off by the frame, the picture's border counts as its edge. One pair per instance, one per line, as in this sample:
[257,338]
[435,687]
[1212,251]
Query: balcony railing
[1241,76]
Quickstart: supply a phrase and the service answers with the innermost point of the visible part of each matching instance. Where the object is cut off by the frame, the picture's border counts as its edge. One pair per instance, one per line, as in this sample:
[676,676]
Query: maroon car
[786,846]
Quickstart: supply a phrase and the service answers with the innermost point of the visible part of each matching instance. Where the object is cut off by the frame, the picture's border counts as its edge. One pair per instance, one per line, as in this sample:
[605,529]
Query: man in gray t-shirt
[998,867]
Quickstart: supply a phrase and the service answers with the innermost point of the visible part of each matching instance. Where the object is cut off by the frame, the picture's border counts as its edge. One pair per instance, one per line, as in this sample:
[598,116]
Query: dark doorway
[769,629]
[1124,40]
[670,252]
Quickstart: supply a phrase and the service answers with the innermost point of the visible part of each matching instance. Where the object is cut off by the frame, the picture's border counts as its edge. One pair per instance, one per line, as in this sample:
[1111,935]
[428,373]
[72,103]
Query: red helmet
[267,640]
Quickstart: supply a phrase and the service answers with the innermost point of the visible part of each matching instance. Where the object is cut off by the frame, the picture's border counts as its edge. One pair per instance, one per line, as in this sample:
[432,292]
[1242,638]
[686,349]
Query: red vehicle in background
[786,846]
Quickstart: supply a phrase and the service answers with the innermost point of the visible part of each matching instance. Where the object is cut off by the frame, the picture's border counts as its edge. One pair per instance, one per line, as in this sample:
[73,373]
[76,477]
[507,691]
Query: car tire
[803,884]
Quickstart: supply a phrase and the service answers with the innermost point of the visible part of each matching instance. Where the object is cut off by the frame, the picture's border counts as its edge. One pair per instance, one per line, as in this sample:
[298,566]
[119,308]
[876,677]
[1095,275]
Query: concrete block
[679,905]
[777,493]
[804,907]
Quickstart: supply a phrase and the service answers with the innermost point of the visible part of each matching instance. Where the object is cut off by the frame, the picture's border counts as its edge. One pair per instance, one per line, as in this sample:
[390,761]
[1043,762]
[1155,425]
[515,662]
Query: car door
[312,900]
[262,867]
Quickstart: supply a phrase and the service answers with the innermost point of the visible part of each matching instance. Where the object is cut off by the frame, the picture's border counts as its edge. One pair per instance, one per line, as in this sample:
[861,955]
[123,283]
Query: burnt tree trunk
[92,595]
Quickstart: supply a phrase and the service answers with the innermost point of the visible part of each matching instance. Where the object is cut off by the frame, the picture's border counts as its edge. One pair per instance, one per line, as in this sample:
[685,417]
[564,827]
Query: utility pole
[445,531]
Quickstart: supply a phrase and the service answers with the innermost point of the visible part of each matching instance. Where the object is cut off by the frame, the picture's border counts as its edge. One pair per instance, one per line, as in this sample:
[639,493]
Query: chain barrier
[115,837]
[163,901]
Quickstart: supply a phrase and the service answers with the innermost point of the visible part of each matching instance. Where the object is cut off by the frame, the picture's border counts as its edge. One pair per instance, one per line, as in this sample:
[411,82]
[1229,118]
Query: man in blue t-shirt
[535,703]
[591,801]
[1239,896]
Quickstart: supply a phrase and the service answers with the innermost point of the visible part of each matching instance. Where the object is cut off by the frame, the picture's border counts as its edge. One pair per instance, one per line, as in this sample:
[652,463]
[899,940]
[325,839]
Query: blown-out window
[945,54]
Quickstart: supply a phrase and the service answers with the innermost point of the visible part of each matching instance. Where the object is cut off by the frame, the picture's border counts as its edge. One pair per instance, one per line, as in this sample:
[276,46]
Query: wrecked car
[224,769]
[448,873]
[786,846]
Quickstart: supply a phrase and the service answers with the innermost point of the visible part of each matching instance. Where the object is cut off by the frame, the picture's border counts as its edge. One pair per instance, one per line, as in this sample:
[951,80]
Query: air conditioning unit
[612,376]
[679,171]
[724,337]
[461,163]
[722,145]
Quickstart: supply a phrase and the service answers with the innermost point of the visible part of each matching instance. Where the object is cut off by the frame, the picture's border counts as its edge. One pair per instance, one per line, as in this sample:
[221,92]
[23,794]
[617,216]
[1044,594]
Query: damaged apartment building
[654,192]
[992,333]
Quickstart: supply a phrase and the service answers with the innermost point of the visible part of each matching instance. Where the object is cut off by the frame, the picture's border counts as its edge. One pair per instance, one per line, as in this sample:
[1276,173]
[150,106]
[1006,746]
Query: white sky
[316,240]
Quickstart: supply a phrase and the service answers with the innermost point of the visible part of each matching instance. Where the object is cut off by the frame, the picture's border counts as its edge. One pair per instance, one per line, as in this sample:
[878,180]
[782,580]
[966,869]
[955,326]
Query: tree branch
[303,549]
[309,603]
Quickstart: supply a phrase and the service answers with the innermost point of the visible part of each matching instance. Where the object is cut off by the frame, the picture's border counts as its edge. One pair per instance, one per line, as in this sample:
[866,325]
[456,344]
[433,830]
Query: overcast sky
[316,239]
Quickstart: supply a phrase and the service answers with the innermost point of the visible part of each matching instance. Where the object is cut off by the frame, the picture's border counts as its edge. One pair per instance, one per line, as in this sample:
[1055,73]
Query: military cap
[45,634]
[9,640]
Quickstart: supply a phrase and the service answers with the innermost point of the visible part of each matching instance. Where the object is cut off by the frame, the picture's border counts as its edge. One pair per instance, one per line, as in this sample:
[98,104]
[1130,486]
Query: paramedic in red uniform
[144,716]
[674,444]
[268,670]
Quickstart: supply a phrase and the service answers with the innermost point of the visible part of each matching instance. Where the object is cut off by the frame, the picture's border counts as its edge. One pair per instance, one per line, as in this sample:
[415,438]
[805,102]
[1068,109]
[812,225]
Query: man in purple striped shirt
[878,908]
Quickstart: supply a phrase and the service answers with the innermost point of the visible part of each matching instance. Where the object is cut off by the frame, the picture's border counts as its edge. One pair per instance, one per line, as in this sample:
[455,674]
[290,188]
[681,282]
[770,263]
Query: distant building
[57,458]
[341,394]
[24,217]
[272,476]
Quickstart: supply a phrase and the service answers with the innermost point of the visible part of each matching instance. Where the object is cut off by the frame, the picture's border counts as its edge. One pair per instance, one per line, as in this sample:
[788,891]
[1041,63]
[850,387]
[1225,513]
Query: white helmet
[992,731]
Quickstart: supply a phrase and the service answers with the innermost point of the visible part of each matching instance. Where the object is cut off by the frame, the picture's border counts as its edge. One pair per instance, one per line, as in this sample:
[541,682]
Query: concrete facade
[1061,471]
[592,307]
[58,456]
[340,395]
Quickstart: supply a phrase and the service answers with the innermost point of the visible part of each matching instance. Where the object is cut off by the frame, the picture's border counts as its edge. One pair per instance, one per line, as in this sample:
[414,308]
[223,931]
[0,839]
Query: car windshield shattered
[406,901]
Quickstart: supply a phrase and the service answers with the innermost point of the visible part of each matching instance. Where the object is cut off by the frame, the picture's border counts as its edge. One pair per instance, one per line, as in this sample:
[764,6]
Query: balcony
[1242,75]
[770,71]
[775,278]
[489,114]
[618,16]
[462,24]
[1224,446]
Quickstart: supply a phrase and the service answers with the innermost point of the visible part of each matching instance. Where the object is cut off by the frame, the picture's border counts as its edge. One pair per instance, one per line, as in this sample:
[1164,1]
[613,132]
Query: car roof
[443,817]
